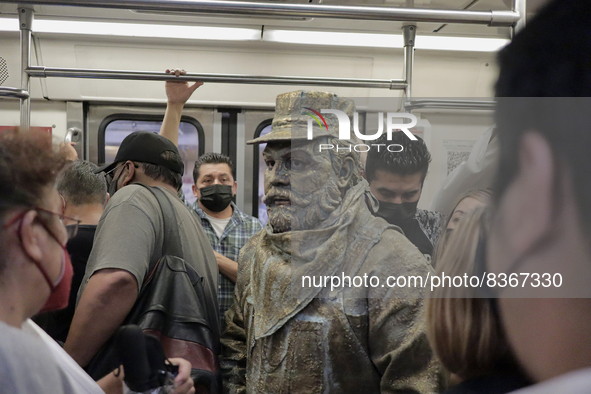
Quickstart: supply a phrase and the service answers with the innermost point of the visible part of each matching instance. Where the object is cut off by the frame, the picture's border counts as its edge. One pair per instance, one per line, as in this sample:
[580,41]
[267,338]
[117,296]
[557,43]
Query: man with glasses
[84,195]
[129,240]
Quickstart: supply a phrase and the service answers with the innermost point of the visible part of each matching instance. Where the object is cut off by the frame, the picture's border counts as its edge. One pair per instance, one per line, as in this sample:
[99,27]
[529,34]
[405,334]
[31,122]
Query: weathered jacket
[353,340]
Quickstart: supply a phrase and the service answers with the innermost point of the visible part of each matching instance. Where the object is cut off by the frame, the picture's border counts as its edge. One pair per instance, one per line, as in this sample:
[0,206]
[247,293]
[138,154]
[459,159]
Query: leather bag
[171,306]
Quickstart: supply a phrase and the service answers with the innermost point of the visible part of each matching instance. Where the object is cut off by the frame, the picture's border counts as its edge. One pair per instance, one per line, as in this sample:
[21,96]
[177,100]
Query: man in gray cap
[292,331]
[129,241]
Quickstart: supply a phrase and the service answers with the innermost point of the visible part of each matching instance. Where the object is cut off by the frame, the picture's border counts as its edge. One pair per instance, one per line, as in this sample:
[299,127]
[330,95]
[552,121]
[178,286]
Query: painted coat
[282,338]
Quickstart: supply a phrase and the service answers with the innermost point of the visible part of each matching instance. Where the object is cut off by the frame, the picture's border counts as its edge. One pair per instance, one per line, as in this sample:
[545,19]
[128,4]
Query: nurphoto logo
[394,123]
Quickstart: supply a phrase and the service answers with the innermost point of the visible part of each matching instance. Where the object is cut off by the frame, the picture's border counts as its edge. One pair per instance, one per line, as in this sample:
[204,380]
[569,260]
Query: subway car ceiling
[228,114]
[252,50]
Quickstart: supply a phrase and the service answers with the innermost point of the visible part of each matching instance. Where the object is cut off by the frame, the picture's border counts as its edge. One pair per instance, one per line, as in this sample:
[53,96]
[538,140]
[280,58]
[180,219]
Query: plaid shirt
[238,231]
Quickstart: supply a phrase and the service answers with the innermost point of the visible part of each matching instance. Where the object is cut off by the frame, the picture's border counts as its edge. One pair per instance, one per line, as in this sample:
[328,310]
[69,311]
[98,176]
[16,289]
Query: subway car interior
[276,299]
[92,72]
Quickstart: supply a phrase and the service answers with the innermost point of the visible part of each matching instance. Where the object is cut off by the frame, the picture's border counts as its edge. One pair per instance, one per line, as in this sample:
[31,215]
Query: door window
[190,140]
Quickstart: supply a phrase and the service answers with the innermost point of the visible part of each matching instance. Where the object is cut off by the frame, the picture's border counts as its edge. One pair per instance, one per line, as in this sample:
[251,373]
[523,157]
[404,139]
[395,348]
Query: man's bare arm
[107,299]
[177,93]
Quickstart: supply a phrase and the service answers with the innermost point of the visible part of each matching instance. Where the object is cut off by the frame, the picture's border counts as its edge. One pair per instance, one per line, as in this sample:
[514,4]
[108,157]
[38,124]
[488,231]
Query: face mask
[397,213]
[60,290]
[112,186]
[216,198]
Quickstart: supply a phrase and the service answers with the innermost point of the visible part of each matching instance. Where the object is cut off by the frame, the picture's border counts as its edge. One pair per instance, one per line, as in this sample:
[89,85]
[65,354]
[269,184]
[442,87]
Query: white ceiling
[310,24]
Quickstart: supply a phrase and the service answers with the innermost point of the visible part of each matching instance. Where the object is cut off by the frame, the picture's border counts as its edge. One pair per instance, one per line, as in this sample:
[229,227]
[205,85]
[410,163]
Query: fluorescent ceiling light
[460,43]
[136,30]
[334,38]
[374,40]
[8,24]
[371,40]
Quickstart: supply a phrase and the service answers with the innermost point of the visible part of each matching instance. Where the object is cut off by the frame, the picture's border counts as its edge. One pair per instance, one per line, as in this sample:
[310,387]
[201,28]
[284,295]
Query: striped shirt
[238,231]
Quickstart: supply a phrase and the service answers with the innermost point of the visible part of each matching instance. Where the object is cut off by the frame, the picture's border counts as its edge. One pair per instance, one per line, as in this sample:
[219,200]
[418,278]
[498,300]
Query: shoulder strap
[172,241]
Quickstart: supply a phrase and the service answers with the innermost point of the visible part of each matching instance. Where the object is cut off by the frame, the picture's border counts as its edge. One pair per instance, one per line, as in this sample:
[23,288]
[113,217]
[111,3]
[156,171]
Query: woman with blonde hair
[465,204]
[465,331]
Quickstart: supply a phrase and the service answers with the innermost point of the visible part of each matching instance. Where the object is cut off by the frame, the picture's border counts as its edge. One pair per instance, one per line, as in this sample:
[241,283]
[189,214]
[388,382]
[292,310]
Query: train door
[255,123]
[108,125]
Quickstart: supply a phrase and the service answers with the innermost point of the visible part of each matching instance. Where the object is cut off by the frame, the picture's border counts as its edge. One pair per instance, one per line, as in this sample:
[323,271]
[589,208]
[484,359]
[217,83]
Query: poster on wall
[456,152]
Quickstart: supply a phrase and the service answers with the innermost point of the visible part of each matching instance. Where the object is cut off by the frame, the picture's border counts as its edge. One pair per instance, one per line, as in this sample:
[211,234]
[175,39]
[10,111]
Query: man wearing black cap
[129,240]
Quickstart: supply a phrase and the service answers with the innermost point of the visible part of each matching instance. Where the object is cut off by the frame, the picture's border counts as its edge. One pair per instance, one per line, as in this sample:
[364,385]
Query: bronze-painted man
[287,334]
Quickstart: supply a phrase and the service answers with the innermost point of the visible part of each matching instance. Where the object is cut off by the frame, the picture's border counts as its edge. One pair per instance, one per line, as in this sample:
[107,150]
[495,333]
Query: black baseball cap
[146,147]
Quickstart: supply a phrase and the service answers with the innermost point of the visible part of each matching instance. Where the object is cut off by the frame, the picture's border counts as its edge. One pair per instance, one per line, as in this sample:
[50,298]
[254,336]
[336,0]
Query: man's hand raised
[178,92]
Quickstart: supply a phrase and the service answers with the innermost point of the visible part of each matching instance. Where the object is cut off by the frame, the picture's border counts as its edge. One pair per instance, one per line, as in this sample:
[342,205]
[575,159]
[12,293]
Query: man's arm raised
[177,92]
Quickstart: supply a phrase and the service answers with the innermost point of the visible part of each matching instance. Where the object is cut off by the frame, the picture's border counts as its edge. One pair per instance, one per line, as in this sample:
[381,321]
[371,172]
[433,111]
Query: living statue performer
[288,336]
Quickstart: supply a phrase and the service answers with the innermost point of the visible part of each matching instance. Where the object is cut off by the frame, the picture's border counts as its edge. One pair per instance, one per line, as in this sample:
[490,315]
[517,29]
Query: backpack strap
[172,241]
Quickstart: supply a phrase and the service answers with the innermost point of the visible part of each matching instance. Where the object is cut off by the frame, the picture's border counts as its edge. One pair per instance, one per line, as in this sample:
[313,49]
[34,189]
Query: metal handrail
[13,93]
[449,104]
[44,72]
[254,9]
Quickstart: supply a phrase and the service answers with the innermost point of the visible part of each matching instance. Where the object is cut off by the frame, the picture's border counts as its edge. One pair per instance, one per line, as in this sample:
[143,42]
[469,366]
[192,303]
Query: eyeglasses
[109,175]
[71,228]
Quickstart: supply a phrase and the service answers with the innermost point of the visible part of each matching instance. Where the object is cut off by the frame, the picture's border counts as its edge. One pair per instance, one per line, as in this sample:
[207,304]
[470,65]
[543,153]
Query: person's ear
[107,200]
[31,236]
[128,173]
[196,192]
[234,188]
[530,199]
[346,172]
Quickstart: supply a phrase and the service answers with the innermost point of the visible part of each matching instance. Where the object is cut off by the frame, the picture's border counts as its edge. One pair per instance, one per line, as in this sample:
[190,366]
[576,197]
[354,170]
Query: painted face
[300,185]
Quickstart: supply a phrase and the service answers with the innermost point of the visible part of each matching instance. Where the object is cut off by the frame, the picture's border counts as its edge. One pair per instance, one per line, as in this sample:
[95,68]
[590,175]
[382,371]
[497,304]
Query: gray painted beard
[306,211]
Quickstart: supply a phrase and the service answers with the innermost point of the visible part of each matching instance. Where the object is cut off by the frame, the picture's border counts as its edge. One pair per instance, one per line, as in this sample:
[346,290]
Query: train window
[259,176]
[115,128]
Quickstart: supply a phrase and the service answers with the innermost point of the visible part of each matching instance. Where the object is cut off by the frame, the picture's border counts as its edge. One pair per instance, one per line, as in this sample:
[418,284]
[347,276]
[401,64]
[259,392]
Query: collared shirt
[239,230]
[424,230]
[432,223]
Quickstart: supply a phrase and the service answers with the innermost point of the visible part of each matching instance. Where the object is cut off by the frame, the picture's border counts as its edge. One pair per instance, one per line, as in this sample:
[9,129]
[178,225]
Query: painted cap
[294,109]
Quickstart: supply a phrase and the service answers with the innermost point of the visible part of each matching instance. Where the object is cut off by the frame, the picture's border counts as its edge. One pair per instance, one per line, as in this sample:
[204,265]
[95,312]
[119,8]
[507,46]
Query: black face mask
[216,198]
[112,184]
[397,213]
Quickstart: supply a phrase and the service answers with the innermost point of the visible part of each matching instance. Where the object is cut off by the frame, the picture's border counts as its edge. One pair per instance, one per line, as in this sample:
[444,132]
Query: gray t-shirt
[27,367]
[130,237]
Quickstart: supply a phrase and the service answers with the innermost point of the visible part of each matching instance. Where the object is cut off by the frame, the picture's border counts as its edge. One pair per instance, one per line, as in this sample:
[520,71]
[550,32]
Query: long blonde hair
[464,331]
[482,195]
